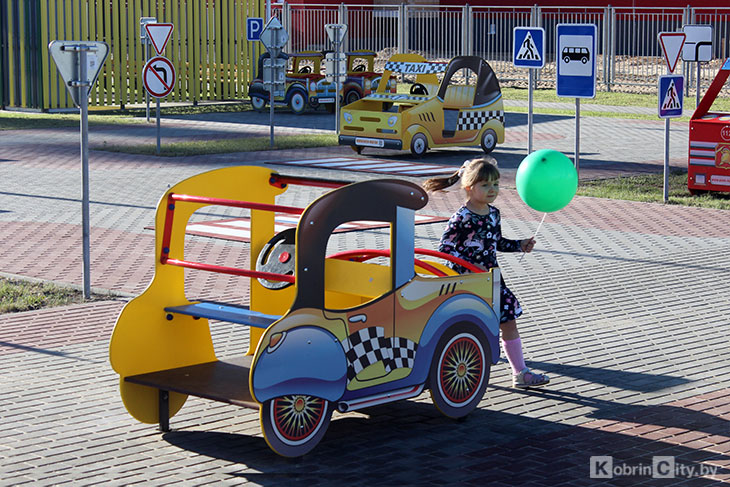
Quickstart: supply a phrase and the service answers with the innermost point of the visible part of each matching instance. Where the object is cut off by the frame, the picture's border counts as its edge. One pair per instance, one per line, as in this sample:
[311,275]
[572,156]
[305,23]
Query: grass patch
[16,296]
[106,116]
[650,188]
[247,144]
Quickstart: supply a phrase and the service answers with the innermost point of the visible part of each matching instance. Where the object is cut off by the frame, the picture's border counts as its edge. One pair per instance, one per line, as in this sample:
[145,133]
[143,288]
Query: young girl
[474,233]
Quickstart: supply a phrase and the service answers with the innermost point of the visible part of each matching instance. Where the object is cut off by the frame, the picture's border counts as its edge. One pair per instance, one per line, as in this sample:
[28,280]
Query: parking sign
[254,26]
[528,47]
[576,53]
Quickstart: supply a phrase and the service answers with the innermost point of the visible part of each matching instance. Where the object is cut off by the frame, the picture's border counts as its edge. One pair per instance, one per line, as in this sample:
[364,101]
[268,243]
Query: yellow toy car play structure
[464,109]
[326,333]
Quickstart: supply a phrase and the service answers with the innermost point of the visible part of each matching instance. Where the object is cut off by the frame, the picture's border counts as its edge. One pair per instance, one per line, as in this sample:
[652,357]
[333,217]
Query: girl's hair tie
[463,167]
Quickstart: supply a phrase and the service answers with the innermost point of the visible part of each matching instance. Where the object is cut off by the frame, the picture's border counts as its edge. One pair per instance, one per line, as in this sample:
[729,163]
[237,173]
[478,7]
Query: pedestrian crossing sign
[528,47]
[671,95]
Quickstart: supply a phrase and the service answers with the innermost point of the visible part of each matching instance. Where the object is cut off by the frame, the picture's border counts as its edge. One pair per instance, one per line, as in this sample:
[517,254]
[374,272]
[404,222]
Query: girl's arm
[504,244]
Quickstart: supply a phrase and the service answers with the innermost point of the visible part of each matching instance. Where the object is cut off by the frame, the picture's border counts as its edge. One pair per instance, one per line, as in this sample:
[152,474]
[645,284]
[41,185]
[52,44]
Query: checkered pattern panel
[476,119]
[394,97]
[404,352]
[364,348]
[415,68]
[369,345]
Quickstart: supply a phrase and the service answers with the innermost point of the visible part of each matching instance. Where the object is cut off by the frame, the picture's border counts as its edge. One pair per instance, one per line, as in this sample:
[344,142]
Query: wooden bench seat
[225,312]
[220,381]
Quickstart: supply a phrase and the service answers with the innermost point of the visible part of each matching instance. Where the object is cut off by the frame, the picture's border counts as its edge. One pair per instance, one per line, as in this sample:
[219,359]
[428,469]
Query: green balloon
[546,180]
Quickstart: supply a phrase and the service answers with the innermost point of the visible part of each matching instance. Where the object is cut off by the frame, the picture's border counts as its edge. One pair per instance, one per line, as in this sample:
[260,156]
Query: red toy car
[708,167]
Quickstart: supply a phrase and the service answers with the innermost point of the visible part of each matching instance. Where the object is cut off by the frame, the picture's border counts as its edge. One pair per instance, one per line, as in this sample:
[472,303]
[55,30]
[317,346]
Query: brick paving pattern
[626,308]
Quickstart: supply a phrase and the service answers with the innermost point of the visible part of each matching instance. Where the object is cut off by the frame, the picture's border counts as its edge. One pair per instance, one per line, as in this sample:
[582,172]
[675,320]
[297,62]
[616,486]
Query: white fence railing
[629,54]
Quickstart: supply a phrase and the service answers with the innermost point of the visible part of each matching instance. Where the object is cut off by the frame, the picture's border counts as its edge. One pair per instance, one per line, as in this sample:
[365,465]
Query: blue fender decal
[458,309]
[308,360]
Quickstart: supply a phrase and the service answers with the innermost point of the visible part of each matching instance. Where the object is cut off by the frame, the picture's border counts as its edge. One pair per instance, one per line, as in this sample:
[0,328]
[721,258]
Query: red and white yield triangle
[159,34]
[671,43]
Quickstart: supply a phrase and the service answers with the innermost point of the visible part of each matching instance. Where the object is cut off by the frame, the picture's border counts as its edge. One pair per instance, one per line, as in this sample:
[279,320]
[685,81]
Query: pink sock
[513,350]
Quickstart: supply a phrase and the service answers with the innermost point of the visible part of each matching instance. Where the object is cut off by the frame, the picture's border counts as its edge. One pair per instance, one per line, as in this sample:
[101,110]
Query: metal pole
[337,84]
[666,160]
[158,126]
[697,101]
[146,94]
[81,56]
[577,134]
[271,99]
[529,110]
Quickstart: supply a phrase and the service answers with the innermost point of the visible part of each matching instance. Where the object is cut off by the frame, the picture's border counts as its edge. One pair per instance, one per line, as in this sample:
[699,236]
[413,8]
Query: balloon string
[535,235]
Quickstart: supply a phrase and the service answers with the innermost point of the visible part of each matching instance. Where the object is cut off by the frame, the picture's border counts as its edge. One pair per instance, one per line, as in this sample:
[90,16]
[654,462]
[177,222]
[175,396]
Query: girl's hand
[527,245]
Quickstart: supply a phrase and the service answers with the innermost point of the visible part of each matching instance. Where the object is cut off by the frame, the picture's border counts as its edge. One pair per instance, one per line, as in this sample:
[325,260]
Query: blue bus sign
[576,60]
[528,47]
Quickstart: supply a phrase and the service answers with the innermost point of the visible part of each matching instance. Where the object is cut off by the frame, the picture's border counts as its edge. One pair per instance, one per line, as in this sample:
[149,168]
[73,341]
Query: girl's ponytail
[437,184]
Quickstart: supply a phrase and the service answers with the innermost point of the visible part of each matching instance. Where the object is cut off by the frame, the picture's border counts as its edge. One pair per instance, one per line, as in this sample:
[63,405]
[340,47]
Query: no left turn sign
[159,76]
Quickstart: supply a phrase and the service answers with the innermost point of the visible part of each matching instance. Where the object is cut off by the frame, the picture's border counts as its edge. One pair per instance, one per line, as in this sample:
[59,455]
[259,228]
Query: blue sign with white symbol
[576,60]
[528,47]
[254,26]
[671,95]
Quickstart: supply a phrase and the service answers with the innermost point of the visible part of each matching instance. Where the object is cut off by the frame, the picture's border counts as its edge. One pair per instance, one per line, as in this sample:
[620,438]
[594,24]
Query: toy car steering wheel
[359,68]
[418,89]
[277,256]
[305,69]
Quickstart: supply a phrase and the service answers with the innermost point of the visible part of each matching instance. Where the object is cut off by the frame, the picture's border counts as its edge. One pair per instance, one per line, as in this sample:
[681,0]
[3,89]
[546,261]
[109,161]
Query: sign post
[79,63]
[576,53]
[670,91]
[697,47]
[528,49]
[274,37]
[146,42]
[336,33]
[159,73]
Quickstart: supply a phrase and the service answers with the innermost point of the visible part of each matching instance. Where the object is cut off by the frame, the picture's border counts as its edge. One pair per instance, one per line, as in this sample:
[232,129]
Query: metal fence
[629,55]
[208,47]
[214,60]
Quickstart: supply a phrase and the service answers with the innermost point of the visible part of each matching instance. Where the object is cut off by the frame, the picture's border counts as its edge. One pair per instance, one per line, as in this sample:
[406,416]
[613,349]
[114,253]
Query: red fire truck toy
[708,168]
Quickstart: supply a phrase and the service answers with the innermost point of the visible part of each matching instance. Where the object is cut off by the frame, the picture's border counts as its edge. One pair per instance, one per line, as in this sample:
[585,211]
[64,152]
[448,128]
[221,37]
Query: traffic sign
[576,52]
[329,66]
[254,26]
[65,55]
[698,43]
[336,32]
[528,47]
[159,76]
[159,34]
[671,95]
[274,36]
[671,43]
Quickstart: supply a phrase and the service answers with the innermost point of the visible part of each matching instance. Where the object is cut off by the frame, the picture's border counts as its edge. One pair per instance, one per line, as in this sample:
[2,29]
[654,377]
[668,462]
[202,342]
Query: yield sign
[159,34]
[671,43]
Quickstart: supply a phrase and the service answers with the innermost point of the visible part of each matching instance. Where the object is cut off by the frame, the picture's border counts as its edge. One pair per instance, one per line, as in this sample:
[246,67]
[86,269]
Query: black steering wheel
[359,68]
[418,89]
[305,69]
[278,256]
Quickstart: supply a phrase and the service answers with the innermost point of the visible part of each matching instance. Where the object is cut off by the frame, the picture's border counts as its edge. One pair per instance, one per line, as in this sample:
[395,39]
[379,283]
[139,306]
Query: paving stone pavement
[626,307]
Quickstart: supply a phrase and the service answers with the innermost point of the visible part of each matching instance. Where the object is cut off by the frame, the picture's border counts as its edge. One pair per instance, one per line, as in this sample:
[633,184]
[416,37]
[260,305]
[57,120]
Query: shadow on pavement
[383,445]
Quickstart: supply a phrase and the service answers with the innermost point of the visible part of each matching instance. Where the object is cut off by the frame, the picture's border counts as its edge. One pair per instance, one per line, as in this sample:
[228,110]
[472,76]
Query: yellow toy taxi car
[464,109]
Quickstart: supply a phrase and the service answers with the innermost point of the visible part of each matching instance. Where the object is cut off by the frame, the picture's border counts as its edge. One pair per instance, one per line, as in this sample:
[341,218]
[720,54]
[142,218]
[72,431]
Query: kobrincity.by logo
[661,467]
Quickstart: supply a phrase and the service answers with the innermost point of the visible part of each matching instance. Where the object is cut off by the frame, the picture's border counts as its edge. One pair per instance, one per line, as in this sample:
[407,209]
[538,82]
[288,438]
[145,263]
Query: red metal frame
[167,235]
[280,181]
[367,254]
